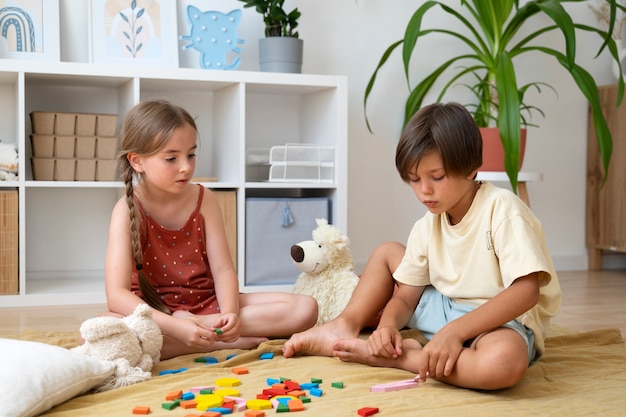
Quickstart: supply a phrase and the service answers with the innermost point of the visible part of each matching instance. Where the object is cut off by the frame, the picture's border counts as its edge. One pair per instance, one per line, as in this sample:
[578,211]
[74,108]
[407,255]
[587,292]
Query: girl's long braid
[147,290]
[145,130]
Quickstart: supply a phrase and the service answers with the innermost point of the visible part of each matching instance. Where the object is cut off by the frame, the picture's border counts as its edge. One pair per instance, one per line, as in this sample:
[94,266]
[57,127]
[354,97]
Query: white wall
[347,37]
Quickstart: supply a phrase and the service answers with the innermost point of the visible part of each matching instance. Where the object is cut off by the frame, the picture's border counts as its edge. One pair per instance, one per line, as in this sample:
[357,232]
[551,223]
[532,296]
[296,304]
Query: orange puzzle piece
[141,409]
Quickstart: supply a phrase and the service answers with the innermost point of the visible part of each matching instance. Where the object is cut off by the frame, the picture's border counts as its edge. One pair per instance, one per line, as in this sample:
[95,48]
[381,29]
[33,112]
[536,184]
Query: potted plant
[281,49]
[487,66]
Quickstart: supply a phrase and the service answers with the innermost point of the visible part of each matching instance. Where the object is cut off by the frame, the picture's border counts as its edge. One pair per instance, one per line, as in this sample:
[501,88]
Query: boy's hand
[440,355]
[386,342]
[227,327]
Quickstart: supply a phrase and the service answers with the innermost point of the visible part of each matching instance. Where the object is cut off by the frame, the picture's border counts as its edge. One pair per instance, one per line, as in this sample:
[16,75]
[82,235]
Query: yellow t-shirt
[498,240]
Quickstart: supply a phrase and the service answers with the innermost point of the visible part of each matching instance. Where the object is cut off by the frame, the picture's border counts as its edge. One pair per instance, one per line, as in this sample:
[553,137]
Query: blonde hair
[145,131]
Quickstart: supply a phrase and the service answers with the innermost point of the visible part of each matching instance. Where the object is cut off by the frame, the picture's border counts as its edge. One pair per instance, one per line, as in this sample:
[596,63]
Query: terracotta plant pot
[493,152]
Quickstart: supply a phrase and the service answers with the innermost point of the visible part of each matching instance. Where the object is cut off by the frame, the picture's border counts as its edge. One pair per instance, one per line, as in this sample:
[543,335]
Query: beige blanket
[581,374]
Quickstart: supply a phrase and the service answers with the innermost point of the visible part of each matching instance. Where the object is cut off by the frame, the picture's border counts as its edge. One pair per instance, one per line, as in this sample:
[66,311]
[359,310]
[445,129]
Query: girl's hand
[193,334]
[227,327]
[386,342]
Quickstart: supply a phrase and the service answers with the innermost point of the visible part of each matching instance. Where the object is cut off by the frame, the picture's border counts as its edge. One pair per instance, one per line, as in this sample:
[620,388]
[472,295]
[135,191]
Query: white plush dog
[327,270]
[133,343]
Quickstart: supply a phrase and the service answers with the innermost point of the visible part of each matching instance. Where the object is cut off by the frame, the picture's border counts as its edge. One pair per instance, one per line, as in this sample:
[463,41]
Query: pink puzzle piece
[395,386]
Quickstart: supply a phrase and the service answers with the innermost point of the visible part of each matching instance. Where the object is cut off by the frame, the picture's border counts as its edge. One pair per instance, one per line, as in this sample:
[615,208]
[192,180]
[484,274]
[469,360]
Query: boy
[476,277]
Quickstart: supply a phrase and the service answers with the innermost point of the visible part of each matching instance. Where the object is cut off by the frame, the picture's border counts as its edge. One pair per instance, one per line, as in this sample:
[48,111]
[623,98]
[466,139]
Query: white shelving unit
[63,226]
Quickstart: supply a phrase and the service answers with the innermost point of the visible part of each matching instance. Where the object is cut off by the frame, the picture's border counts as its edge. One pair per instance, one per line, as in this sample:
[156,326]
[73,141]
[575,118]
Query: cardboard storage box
[273,225]
[51,146]
[106,147]
[74,158]
[106,170]
[9,278]
[68,124]
[73,169]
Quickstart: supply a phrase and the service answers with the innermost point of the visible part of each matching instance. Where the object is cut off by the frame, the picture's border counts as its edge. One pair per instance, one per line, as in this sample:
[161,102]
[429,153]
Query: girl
[167,246]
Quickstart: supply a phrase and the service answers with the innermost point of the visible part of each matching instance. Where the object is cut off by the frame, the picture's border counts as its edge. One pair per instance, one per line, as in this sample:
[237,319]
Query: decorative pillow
[37,376]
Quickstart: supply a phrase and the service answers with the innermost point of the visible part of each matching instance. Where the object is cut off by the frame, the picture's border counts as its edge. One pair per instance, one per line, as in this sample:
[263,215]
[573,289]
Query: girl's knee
[305,311]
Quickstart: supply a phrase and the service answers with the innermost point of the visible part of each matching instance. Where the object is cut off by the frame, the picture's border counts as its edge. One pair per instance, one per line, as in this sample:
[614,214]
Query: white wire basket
[302,162]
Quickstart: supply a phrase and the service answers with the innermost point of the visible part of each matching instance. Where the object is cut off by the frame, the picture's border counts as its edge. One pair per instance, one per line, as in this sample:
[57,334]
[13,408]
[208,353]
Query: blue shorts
[435,310]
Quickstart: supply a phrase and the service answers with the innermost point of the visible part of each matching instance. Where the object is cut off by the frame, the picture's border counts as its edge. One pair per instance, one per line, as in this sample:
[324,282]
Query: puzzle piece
[367,411]
[141,409]
[240,371]
[395,386]
[227,382]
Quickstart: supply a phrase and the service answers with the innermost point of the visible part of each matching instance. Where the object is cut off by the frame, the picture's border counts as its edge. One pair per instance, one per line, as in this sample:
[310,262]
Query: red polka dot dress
[176,264]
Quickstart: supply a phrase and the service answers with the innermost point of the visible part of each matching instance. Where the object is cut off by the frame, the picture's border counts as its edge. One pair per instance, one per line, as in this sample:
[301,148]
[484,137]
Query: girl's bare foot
[319,340]
[172,348]
[205,320]
[244,342]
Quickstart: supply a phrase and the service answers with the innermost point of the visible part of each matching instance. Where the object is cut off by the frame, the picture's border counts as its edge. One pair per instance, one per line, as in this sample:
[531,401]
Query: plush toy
[327,270]
[133,343]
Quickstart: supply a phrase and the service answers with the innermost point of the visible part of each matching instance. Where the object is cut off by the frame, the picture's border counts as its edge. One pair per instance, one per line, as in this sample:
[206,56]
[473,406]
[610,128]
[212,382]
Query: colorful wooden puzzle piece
[141,409]
[367,411]
[395,386]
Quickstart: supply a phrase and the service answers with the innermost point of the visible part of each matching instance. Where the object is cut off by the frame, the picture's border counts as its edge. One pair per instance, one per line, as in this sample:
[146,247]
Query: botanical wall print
[214,35]
[138,32]
[29,29]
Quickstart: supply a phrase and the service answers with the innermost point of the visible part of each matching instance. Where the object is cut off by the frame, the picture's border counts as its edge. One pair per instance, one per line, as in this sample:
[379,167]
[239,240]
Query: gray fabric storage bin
[272,226]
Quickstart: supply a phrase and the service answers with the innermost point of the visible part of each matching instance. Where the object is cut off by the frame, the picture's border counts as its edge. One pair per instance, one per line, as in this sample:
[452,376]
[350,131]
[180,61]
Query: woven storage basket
[8,242]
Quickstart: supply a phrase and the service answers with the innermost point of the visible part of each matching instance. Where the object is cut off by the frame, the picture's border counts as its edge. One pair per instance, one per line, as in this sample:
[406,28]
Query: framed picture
[29,29]
[134,32]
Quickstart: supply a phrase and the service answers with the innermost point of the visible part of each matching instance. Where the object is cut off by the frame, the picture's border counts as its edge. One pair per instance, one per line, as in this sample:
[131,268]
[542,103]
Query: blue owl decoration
[214,34]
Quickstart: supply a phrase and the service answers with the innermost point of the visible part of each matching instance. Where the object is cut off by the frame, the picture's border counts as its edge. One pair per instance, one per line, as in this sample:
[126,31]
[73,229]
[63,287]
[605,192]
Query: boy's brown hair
[447,128]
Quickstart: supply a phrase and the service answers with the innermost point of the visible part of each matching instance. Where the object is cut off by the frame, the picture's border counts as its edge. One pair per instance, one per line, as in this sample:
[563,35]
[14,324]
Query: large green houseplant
[281,49]
[487,65]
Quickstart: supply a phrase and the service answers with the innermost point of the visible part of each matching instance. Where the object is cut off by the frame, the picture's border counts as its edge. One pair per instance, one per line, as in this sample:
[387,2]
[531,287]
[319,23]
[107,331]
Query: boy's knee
[390,253]
[506,369]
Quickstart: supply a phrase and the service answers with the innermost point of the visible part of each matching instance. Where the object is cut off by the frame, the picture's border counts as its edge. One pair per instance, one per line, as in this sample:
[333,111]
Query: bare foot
[205,320]
[172,348]
[355,350]
[184,314]
[244,342]
[319,340]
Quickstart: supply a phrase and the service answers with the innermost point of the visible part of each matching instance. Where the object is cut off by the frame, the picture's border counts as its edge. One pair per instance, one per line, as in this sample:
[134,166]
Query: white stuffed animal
[133,343]
[327,270]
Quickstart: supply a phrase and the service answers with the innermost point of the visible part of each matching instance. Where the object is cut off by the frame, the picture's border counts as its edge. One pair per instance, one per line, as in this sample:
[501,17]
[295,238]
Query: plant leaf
[370,84]
[508,116]
[588,87]
[412,33]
